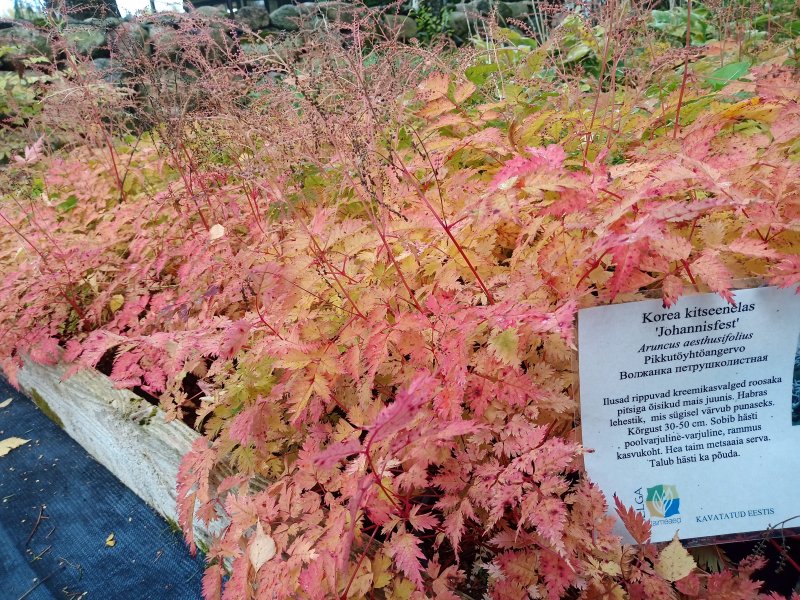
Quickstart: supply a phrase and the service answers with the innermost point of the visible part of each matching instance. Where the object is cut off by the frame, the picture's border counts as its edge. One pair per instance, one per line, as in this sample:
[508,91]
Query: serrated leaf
[505,346]
[715,274]
[8,444]
[674,562]
[381,575]
[672,288]
[404,549]
[634,521]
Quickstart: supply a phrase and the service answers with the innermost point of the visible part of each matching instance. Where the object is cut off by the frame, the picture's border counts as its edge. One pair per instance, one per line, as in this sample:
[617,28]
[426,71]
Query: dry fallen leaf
[115,302]
[262,548]
[8,444]
[111,541]
[5,403]
[674,562]
[216,232]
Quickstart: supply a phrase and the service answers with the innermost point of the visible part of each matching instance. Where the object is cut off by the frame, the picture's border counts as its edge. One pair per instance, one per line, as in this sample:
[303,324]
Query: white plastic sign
[693,411]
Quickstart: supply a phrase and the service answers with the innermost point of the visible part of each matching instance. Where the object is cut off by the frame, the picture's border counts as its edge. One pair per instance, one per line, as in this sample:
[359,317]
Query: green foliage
[20,101]
[431,24]
[673,23]
[721,77]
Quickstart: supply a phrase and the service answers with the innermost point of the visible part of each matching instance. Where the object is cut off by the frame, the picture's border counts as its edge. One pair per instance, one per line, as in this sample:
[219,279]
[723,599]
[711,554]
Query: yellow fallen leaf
[262,548]
[674,562]
[111,541]
[5,403]
[8,444]
[115,302]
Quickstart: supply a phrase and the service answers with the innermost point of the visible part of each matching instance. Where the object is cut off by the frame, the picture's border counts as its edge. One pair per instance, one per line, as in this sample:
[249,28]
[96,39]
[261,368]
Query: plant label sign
[692,412]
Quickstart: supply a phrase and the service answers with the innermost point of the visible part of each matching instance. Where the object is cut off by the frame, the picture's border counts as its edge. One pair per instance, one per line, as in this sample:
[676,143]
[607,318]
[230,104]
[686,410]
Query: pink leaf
[404,549]
[672,288]
[714,273]
[550,157]
[336,452]
[404,409]
[752,247]
[212,582]
[786,273]
[234,338]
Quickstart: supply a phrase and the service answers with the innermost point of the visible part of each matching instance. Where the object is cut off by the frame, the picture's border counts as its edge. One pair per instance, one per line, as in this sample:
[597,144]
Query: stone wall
[94,38]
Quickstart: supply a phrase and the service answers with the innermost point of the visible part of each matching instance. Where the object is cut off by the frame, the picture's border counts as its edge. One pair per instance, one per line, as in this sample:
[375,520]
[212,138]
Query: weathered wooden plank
[122,431]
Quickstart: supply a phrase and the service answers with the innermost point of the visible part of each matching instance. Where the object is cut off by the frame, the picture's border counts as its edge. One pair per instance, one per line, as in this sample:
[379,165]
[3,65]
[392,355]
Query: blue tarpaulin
[58,507]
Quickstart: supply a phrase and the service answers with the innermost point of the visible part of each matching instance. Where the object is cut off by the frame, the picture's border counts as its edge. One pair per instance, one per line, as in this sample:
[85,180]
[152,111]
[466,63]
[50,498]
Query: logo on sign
[663,501]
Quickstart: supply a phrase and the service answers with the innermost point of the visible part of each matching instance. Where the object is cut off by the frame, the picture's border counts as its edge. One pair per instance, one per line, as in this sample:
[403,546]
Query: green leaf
[478,74]
[577,52]
[68,204]
[724,75]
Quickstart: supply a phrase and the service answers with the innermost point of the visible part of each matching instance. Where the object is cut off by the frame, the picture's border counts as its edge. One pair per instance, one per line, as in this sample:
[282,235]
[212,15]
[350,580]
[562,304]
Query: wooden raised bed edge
[122,431]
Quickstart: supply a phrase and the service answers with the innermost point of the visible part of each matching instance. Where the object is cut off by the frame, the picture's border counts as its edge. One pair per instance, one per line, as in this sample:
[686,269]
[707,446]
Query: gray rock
[254,17]
[108,22]
[483,8]
[334,11]
[404,27]
[518,9]
[24,42]
[462,23]
[87,41]
[213,12]
[108,70]
[286,17]
[502,8]
[255,50]
[165,41]
[130,39]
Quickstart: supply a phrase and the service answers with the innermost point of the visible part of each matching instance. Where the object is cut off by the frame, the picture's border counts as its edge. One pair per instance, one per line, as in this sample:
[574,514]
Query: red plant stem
[377,477]
[433,172]
[446,228]
[688,272]
[309,292]
[381,231]
[358,565]
[593,266]
[194,169]
[694,226]
[187,182]
[382,234]
[599,91]
[113,157]
[685,68]
[99,123]
[420,193]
